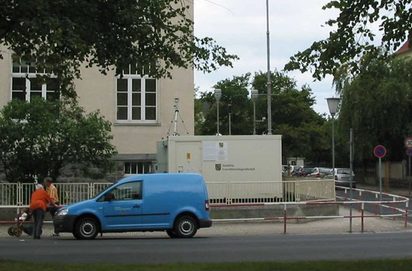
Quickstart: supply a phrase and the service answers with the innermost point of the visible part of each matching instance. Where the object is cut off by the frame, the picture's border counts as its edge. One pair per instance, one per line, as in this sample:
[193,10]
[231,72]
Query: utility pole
[269,83]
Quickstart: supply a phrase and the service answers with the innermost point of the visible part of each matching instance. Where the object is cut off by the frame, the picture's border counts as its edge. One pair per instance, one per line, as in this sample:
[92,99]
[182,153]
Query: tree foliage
[40,137]
[303,131]
[377,104]
[61,35]
[235,100]
[353,35]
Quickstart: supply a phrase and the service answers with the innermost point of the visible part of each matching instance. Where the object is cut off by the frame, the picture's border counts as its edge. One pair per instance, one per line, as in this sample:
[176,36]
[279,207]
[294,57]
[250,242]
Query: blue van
[175,203]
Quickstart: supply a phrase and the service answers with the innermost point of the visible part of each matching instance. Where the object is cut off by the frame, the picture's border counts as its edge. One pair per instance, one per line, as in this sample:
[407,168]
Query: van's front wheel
[185,227]
[86,228]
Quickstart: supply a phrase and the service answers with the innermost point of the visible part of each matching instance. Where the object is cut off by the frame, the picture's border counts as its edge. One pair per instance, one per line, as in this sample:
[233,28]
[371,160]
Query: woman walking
[38,206]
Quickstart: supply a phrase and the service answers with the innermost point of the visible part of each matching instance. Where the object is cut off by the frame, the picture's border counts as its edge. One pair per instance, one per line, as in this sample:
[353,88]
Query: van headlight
[62,212]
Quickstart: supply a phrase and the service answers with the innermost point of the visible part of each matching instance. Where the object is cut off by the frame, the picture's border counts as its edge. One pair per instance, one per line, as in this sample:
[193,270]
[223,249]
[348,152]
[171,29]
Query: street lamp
[218,95]
[254,95]
[269,83]
[333,104]
[230,116]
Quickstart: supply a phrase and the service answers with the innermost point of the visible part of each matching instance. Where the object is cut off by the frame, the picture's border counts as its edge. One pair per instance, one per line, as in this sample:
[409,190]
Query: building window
[26,83]
[136,96]
[138,168]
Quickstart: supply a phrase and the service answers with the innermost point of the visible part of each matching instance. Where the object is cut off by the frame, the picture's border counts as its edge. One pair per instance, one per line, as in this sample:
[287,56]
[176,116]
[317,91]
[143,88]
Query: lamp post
[230,116]
[218,95]
[333,104]
[254,95]
[269,83]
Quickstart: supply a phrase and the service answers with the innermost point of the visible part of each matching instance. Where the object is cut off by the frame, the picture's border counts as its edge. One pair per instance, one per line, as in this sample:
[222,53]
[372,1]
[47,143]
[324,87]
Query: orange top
[39,200]
[52,192]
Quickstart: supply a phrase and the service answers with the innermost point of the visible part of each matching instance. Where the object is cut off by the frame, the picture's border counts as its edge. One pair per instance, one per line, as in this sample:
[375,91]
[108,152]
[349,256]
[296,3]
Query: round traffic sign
[409,152]
[379,151]
[408,142]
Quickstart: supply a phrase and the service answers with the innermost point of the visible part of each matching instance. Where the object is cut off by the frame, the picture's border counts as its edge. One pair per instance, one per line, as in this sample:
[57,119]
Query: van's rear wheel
[185,226]
[171,233]
[86,228]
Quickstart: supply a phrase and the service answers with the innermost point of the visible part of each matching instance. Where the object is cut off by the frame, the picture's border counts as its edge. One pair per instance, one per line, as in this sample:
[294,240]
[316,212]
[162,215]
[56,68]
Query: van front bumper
[64,223]
[205,223]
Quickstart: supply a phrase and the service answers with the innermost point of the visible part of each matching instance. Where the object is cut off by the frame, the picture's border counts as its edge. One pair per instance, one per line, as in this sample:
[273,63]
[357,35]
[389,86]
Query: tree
[234,100]
[40,137]
[377,105]
[62,35]
[302,129]
[352,35]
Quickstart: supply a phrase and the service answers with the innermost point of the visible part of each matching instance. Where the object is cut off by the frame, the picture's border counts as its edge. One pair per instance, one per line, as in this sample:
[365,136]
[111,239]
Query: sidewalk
[301,227]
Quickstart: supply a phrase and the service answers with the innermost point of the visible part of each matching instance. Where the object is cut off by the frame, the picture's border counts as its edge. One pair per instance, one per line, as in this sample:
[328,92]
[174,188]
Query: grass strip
[364,265]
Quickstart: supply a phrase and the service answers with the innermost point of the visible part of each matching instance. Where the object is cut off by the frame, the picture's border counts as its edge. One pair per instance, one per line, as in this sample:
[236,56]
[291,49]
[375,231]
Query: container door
[188,157]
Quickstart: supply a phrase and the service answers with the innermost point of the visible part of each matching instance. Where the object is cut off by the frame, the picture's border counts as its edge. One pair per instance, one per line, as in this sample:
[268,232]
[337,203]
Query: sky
[240,27]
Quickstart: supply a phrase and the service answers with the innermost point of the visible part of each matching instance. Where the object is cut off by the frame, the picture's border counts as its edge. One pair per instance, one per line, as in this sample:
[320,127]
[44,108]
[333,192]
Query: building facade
[141,109]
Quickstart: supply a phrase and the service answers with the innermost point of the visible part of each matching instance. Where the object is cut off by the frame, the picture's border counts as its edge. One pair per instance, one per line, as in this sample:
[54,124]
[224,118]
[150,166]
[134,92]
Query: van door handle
[136,206]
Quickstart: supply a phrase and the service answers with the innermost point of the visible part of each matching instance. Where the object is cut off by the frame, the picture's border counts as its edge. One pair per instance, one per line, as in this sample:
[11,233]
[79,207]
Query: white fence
[257,192]
[18,194]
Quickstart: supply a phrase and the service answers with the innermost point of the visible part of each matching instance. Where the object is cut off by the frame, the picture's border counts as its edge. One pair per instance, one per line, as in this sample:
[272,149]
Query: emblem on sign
[379,151]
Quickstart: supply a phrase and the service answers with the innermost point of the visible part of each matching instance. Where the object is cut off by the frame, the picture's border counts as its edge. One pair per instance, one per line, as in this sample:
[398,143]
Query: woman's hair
[48,179]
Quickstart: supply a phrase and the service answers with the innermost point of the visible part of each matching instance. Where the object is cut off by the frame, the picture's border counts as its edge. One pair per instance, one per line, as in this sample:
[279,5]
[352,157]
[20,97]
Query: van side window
[128,191]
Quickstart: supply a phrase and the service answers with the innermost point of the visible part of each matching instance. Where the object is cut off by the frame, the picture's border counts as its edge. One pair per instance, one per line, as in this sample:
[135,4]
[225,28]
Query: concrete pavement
[320,226]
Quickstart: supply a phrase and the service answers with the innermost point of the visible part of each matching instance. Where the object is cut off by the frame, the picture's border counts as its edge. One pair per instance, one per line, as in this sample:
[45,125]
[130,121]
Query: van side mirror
[109,196]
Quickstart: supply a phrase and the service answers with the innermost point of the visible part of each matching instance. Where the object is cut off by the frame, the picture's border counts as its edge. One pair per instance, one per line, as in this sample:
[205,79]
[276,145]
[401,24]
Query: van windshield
[103,190]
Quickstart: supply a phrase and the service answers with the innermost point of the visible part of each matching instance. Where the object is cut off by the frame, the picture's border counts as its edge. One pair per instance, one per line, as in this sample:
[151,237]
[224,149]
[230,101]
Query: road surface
[160,249]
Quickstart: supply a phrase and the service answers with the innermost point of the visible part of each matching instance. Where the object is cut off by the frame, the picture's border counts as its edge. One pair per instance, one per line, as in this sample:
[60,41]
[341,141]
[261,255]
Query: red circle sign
[379,151]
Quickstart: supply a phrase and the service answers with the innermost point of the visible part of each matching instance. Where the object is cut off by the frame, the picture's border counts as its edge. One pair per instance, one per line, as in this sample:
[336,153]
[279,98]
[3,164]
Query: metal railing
[259,192]
[9,195]
[18,194]
[391,206]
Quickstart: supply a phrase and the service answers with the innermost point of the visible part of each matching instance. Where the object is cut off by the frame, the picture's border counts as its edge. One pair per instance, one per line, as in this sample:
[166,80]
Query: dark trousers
[38,215]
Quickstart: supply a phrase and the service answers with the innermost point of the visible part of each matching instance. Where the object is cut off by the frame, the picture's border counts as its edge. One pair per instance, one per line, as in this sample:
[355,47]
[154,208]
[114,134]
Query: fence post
[90,190]
[376,209]
[295,192]
[19,196]
[393,211]
[284,218]
[362,217]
